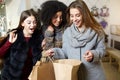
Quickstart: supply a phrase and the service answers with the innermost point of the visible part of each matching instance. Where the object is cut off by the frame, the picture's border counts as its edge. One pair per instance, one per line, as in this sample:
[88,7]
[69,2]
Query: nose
[59,19]
[74,19]
[33,24]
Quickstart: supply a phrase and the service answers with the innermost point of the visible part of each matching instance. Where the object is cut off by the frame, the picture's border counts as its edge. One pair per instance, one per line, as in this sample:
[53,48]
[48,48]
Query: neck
[82,28]
[26,34]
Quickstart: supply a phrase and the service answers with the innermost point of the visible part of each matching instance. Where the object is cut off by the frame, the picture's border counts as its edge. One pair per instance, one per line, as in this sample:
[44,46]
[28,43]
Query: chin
[31,32]
[76,25]
[56,25]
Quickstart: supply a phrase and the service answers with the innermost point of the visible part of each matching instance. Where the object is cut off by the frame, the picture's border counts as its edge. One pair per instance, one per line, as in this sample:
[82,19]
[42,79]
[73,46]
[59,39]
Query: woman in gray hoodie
[82,40]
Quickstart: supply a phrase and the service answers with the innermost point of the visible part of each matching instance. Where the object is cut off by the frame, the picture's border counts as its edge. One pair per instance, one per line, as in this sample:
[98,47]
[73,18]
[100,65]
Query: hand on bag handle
[51,59]
[48,58]
[47,55]
[50,52]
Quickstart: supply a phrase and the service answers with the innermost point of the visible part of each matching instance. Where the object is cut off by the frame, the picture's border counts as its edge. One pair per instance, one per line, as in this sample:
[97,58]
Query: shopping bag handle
[47,59]
[51,59]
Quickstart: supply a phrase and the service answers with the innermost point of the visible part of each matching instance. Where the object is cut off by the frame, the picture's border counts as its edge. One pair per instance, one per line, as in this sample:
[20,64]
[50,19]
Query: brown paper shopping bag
[42,71]
[66,69]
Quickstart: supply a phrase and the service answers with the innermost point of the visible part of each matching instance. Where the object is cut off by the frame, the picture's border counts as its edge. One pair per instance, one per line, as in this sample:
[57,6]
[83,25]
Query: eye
[55,17]
[78,15]
[28,22]
[34,22]
[71,16]
[60,17]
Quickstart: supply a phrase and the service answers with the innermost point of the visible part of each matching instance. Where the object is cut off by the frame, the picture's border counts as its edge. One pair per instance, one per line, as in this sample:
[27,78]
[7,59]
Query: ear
[22,24]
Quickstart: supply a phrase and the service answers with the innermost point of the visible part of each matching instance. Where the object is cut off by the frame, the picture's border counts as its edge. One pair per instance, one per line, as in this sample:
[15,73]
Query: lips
[77,23]
[32,29]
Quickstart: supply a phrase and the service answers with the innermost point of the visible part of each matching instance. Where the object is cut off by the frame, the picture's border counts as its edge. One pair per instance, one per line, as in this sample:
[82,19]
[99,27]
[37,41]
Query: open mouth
[32,29]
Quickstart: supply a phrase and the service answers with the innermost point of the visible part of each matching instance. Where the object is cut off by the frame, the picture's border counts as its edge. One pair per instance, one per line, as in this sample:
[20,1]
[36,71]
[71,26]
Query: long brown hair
[88,18]
[25,14]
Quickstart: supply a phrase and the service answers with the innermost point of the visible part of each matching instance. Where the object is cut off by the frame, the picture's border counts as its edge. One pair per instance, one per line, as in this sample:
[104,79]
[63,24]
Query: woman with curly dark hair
[53,17]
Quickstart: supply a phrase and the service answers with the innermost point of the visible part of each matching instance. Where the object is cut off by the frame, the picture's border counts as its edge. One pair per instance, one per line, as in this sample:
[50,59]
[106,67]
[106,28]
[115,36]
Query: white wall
[13,10]
[15,7]
[67,2]
[115,12]
[37,3]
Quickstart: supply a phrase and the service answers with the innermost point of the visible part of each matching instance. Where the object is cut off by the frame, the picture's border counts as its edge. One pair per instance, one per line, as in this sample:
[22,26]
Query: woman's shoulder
[67,31]
[69,28]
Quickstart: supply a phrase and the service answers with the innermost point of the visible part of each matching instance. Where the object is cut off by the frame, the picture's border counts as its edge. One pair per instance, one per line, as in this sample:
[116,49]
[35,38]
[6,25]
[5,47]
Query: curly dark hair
[49,9]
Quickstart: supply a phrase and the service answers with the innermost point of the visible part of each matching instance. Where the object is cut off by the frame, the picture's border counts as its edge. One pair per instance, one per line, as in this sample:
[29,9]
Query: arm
[100,49]
[49,38]
[5,47]
[62,52]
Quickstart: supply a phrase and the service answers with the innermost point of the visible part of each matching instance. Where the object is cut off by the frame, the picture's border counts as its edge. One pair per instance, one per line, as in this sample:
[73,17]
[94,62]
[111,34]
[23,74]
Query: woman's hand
[88,56]
[50,28]
[12,36]
[50,52]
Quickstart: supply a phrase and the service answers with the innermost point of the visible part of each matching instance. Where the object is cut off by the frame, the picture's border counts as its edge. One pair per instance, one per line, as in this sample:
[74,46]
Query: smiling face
[29,25]
[57,19]
[76,17]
